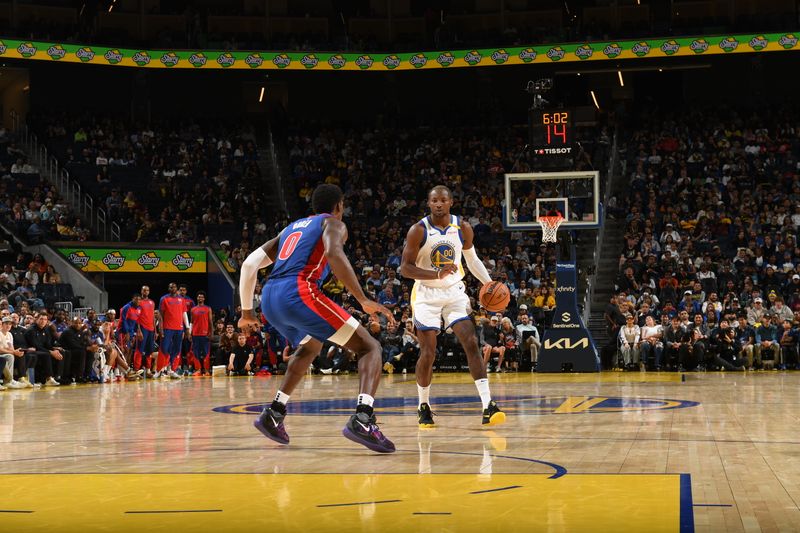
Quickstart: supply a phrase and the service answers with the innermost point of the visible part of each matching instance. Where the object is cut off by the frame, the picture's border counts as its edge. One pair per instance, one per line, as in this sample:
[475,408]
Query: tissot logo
[551,151]
[466,405]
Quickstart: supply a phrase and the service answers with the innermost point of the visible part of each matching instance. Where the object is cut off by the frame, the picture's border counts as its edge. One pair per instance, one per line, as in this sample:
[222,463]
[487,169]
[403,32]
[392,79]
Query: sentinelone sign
[139,260]
[267,60]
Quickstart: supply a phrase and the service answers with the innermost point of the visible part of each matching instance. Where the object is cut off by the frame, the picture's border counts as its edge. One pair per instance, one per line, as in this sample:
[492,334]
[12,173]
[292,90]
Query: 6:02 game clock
[551,137]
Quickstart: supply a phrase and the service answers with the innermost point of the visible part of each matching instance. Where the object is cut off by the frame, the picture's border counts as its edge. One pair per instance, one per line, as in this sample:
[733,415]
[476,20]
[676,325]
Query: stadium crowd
[30,206]
[709,271]
[173,183]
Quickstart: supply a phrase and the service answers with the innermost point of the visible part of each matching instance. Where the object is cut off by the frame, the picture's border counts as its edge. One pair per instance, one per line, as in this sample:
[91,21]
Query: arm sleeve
[476,266]
[257,260]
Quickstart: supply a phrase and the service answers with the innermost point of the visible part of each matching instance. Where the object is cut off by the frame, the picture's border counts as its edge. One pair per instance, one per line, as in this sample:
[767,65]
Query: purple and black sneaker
[270,423]
[363,429]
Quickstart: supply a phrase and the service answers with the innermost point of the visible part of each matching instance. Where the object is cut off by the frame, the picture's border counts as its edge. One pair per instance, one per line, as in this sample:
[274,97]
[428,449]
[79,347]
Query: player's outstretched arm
[260,258]
[333,238]
[408,264]
[474,264]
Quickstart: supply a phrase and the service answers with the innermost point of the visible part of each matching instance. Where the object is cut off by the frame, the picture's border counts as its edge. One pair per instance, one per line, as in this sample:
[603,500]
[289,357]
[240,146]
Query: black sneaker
[425,416]
[492,415]
[270,423]
[363,429]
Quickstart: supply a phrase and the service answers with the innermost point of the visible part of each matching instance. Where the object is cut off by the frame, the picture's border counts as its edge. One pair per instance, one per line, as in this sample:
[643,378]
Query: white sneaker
[173,375]
[326,371]
[2,387]
[13,384]
[51,382]
[25,383]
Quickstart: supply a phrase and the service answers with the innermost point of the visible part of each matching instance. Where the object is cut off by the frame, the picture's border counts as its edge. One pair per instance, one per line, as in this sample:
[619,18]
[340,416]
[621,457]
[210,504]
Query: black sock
[363,408]
[278,407]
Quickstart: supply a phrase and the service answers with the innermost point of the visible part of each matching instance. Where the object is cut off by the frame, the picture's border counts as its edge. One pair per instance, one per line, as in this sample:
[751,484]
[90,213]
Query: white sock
[483,390]
[424,394]
[365,399]
[282,398]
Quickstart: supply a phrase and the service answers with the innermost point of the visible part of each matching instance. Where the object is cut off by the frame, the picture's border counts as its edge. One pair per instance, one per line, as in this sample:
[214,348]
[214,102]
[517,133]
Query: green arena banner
[276,60]
[230,264]
[139,260]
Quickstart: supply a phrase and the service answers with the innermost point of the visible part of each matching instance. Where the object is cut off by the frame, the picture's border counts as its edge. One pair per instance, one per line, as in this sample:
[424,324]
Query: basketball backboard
[576,195]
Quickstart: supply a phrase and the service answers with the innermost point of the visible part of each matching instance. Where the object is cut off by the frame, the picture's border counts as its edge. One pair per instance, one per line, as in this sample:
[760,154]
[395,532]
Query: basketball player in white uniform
[432,257]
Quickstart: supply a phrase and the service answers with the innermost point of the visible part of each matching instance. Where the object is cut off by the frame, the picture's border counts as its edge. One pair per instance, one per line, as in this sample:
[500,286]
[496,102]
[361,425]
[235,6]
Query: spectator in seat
[387,298]
[676,345]
[756,312]
[8,354]
[767,348]
[746,336]
[699,339]
[51,276]
[651,343]
[392,342]
[781,311]
[508,336]
[40,337]
[240,357]
[74,340]
[525,298]
[489,340]
[528,339]
[788,342]
[228,340]
[32,275]
[629,339]
[410,352]
[28,360]
[334,288]
[725,348]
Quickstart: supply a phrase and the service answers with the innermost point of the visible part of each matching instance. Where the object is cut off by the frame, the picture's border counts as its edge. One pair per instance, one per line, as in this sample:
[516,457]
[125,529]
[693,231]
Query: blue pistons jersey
[301,252]
[292,300]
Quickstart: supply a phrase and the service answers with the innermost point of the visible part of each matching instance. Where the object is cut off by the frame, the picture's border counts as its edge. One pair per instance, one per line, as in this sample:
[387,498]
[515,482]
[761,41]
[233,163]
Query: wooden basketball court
[584,452]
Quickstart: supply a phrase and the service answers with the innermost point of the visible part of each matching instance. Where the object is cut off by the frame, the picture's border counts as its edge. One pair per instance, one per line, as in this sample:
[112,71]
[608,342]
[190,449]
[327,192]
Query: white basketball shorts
[430,306]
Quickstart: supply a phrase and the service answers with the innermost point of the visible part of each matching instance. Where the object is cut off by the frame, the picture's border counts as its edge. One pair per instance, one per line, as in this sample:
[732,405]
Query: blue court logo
[469,405]
[443,254]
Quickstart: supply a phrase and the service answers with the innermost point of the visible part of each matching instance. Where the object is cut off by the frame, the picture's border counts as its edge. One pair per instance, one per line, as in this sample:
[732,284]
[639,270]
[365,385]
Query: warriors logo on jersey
[439,248]
[442,255]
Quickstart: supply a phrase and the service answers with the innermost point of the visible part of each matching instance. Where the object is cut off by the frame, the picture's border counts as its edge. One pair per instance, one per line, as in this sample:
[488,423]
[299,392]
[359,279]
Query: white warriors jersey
[441,247]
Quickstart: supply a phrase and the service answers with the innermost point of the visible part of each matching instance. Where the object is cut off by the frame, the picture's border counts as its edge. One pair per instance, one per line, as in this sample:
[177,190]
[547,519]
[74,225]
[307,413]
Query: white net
[550,226]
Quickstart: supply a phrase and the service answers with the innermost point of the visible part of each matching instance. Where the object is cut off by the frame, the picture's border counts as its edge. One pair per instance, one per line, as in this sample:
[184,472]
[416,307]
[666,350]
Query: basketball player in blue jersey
[292,301]
[432,257]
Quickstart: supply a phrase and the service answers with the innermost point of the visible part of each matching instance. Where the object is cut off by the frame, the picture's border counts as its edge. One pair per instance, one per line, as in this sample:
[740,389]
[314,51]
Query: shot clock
[551,137]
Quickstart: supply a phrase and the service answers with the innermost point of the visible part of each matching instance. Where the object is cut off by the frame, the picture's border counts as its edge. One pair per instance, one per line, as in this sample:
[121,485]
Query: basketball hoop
[550,224]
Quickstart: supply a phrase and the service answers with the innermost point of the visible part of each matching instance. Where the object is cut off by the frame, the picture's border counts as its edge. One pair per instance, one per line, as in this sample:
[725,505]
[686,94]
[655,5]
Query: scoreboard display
[552,132]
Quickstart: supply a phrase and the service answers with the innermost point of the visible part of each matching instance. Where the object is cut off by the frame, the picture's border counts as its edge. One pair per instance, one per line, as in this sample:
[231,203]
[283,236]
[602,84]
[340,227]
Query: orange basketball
[494,296]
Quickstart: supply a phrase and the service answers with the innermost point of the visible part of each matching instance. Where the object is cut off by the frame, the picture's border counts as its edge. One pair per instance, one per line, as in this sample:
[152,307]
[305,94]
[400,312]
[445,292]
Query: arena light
[594,98]
[261,96]
[621,81]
